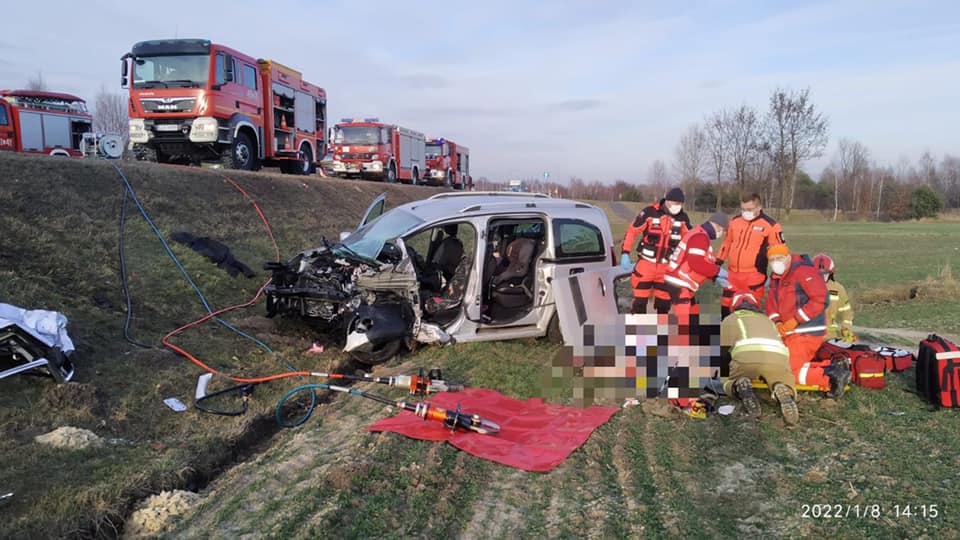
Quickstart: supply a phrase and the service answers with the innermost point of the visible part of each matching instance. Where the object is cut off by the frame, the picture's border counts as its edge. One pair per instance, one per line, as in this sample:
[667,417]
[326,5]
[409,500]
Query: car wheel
[554,335]
[379,355]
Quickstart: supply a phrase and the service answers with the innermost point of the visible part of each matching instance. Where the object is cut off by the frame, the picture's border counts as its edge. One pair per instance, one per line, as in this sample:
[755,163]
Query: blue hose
[203,299]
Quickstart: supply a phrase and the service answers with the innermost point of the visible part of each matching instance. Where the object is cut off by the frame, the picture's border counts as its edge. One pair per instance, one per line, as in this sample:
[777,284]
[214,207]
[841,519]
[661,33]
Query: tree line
[745,150]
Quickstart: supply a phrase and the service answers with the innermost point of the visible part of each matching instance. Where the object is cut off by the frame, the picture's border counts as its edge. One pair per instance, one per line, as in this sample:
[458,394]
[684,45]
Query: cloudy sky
[597,89]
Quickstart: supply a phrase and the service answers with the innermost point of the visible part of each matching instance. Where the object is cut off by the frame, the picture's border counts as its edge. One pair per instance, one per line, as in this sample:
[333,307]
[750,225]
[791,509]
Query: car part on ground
[35,341]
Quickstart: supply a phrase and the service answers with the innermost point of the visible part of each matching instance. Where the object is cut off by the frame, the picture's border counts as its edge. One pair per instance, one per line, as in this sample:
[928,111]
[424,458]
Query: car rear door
[586,298]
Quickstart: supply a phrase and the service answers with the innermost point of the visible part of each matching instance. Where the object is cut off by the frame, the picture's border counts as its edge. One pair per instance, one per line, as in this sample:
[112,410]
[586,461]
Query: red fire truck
[192,100]
[448,163]
[43,122]
[368,148]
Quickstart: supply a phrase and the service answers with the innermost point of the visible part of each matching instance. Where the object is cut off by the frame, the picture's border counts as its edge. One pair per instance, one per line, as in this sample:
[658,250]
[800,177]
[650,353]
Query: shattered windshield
[173,71]
[367,241]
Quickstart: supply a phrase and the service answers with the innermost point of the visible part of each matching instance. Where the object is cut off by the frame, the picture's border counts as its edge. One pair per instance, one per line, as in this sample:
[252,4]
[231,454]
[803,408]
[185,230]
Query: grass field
[648,472]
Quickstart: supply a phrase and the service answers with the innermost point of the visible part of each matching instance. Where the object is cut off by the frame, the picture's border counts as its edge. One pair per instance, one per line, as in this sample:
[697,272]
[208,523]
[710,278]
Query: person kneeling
[757,352]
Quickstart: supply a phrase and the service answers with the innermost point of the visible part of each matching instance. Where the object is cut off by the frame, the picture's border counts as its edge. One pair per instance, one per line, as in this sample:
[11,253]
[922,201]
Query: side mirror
[124,73]
[344,235]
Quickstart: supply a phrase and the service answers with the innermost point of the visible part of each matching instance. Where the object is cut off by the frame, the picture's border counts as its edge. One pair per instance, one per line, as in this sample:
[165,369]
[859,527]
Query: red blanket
[534,436]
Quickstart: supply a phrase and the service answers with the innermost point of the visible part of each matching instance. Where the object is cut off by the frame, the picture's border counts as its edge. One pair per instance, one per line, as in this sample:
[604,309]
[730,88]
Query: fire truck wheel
[307,166]
[391,173]
[448,179]
[242,154]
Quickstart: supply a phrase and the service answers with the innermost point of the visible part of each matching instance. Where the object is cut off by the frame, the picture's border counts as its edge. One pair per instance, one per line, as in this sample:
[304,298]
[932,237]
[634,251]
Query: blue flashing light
[371,119]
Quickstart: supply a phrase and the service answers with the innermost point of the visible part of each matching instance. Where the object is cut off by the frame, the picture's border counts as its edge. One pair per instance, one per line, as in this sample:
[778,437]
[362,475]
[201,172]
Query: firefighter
[757,352]
[796,303]
[659,227]
[839,311]
[744,249]
[693,262]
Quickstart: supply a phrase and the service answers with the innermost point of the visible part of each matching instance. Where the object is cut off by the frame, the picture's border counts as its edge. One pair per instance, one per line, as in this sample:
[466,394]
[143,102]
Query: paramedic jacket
[745,243]
[799,294]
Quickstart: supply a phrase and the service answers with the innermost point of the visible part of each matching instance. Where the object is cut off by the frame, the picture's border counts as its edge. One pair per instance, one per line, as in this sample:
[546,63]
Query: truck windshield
[367,241]
[357,135]
[173,71]
[433,150]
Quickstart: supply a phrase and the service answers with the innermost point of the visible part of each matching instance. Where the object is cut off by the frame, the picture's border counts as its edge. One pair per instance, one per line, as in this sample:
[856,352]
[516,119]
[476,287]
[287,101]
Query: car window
[420,241]
[3,116]
[577,238]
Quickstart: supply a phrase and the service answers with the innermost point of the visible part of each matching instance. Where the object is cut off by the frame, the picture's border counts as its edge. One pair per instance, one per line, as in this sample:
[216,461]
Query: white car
[491,257]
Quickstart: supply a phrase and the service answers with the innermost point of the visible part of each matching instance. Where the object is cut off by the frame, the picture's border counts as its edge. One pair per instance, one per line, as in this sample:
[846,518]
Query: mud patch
[158,512]
[71,438]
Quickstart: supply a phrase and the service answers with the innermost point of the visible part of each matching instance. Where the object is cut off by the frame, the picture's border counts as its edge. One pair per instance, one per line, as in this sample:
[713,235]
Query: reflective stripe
[773,316]
[868,375]
[676,281]
[700,252]
[803,315]
[949,355]
[845,308]
[802,377]
[760,344]
[805,330]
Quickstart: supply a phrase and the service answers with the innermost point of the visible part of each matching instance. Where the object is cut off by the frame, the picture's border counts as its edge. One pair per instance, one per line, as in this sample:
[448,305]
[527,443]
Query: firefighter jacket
[799,295]
[692,262]
[745,244]
[751,337]
[659,233]
[839,311]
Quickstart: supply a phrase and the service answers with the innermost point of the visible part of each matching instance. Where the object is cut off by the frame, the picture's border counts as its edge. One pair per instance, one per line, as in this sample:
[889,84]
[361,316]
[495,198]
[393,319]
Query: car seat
[510,287]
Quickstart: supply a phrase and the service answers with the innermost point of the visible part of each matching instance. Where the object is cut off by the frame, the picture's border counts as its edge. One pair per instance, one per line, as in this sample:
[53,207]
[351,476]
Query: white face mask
[674,209]
[749,216]
[778,267]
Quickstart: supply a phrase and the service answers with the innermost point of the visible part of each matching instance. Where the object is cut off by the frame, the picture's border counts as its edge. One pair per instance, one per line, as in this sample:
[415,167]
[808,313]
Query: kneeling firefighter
[757,352]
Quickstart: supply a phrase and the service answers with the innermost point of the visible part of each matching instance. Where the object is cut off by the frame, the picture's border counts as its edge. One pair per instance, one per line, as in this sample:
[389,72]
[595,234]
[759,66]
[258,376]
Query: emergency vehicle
[369,148]
[448,163]
[43,122]
[192,100]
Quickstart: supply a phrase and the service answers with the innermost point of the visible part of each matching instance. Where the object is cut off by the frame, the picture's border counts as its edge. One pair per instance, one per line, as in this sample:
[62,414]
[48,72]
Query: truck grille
[165,105]
[356,156]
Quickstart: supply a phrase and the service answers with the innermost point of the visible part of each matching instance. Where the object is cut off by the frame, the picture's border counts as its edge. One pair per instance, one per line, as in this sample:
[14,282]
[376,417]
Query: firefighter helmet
[824,264]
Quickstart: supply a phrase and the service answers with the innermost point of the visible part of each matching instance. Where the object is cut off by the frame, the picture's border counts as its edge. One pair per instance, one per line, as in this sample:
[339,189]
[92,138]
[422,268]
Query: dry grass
[930,290]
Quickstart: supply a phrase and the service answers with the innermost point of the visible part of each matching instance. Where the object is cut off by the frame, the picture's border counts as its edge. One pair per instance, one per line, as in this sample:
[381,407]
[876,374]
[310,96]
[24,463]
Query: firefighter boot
[744,390]
[788,406]
[838,372]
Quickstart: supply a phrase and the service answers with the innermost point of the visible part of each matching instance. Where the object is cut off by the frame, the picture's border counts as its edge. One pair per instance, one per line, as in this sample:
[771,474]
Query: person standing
[796,303]
[659,227]
[744,249]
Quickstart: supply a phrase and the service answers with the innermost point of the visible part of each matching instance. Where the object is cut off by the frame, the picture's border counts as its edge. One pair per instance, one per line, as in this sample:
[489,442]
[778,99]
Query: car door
[375,210]
[6,127]
[586,298]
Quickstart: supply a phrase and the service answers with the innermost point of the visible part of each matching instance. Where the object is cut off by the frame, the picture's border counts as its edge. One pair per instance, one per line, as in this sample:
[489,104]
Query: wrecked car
[454,267]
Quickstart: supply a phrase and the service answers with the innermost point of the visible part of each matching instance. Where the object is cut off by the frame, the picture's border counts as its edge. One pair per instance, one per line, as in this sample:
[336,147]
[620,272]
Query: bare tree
[110,114]
[742,129]
[37,82]
[950,170]
[854,169]
[760,169]
[658,176]
[717,145]
[797,132]
[690,159]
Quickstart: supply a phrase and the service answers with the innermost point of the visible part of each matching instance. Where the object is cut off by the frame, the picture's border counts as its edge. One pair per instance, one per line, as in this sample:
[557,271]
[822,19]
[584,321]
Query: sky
[595,89]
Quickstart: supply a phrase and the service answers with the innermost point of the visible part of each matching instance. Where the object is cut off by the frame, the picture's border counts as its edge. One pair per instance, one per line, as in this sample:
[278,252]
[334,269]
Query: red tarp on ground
[534,436]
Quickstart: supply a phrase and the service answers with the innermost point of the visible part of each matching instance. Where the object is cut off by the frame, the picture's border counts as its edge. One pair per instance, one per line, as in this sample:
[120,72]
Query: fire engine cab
[448,164]
[43,122]
[368,148]
[192,100]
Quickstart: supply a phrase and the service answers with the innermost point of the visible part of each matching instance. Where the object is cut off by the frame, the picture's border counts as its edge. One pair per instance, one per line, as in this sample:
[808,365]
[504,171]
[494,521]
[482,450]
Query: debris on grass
[70,437]
[159,512]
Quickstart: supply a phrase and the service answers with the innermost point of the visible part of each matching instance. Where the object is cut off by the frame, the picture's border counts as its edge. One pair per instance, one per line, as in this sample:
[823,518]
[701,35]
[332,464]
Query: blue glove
[722,281]
[722,274]
[625,261]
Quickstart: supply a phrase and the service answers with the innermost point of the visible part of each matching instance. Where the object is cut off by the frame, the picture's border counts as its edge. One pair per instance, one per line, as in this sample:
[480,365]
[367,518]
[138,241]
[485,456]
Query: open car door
[586,298]
[375,210]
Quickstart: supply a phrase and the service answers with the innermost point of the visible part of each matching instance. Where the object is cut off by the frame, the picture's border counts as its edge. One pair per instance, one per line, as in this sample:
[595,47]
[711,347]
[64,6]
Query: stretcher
[759,384]
[34,342]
